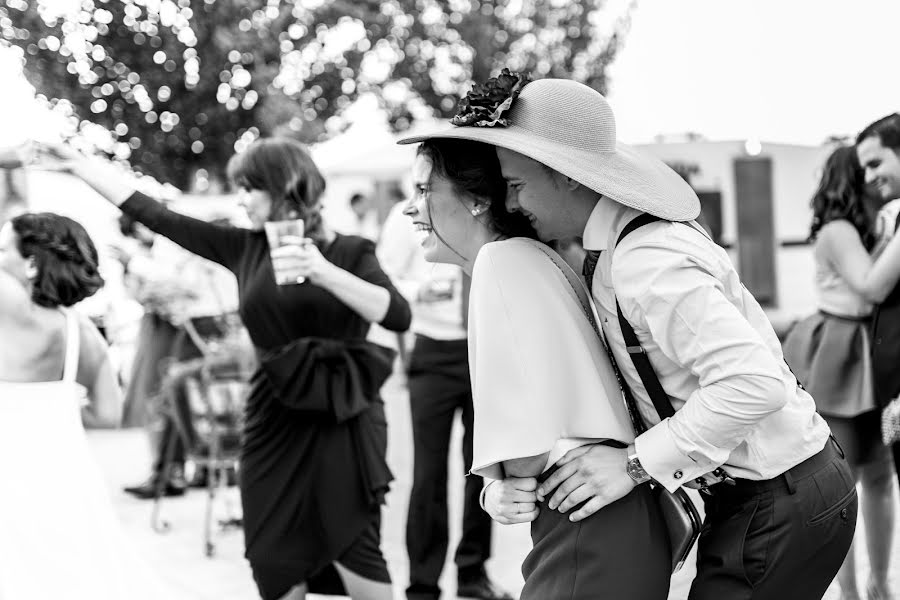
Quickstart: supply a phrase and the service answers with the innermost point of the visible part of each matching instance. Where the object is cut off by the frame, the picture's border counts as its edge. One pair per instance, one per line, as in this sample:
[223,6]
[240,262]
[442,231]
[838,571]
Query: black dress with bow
[313,468]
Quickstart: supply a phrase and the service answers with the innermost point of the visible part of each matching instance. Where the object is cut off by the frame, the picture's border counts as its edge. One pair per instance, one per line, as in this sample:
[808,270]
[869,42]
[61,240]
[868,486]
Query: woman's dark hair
[473,169]
[841,194]
[886,129]
[64,255]
[283,168]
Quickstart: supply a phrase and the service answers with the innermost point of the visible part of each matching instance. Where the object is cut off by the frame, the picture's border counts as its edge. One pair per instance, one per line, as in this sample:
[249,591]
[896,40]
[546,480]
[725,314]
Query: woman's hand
[511,500]
[299,259]
[109,180]
[57,157]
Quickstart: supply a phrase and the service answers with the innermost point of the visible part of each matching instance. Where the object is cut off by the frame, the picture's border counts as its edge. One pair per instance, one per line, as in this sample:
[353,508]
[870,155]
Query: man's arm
[740,382]
[670,294]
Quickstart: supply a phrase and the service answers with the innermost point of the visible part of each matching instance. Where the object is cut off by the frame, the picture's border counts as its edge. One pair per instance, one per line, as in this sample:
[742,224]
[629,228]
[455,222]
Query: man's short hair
[886,129]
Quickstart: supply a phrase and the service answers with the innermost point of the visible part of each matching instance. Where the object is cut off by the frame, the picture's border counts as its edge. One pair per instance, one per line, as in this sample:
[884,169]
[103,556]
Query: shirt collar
[606,221]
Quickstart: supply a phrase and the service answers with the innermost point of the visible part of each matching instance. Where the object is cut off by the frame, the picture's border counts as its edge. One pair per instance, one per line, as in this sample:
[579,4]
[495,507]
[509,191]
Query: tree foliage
[182,84]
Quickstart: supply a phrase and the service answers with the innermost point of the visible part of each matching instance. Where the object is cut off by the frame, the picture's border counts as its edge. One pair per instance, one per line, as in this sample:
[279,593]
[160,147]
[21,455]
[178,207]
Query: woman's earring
[477,210]
[31,270]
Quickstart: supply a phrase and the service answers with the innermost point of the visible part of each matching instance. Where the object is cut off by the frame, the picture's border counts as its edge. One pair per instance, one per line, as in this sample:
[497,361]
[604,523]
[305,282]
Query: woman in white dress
[541,379]
[58,532]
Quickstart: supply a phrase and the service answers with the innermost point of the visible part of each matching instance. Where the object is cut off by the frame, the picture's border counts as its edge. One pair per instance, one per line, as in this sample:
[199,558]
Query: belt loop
[789,481]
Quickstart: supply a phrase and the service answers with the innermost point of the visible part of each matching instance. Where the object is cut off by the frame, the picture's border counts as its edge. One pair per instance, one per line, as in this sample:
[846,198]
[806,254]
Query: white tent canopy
[367,149]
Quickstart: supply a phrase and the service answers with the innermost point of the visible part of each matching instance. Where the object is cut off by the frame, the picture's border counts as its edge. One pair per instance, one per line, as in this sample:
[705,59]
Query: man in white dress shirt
[439,387]
[780,500]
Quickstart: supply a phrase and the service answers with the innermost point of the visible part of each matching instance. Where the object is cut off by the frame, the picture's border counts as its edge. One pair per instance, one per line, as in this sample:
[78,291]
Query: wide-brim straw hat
[570,127]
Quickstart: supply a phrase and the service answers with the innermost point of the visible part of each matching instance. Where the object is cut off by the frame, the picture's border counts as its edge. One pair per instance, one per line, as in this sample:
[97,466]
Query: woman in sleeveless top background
[54,375]
[542,383]
[829,351]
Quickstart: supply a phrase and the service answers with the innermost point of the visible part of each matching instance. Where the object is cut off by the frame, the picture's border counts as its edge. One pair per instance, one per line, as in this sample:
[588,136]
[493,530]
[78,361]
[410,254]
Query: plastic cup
[278,233]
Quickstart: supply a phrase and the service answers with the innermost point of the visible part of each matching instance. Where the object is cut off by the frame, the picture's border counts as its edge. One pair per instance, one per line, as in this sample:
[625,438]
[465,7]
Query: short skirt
[830,356]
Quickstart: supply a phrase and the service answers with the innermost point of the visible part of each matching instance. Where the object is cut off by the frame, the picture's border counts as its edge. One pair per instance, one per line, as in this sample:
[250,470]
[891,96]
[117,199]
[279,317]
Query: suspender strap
[641,363]
[645,370]
[635,223]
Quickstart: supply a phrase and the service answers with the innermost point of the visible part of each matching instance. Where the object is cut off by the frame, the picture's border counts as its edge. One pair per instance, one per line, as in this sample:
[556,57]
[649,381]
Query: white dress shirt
[402,258]
[737,403]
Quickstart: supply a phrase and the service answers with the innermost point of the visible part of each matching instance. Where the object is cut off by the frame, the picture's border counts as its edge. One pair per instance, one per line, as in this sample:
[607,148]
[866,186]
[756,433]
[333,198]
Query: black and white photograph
[449,300]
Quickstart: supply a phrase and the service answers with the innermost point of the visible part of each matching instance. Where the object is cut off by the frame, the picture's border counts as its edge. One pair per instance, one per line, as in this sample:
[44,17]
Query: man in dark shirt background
[878,149]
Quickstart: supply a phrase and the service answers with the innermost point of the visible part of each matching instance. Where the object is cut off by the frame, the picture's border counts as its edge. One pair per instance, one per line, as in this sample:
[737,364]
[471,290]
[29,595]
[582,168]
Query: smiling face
[881,165]
[443,217]
[538,193]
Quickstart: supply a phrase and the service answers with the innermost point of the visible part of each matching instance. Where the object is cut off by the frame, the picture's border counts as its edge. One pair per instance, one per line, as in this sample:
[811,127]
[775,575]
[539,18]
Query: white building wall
[795,173]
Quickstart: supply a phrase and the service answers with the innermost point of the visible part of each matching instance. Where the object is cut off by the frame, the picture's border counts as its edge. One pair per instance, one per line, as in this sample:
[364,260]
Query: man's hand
[511,500]
[595,473]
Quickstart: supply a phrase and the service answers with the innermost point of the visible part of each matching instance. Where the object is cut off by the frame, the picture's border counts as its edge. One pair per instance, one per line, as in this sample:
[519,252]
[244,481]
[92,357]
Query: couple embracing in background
[711,402]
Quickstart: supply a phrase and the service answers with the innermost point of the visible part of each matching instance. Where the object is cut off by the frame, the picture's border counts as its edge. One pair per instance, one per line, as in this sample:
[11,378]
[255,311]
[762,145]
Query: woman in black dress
[313,469]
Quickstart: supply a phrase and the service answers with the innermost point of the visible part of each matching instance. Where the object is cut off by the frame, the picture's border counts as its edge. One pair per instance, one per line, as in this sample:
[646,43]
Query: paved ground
[178,555]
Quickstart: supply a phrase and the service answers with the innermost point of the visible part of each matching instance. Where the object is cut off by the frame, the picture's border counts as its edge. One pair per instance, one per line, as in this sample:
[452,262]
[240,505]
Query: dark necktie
[589,266]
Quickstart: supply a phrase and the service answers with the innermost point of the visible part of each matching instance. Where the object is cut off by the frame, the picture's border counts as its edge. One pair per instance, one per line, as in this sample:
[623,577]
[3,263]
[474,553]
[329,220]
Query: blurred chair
[205,398]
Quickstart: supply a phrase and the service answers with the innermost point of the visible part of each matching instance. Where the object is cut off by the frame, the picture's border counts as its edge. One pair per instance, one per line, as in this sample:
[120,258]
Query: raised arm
[872,279]
[221,244]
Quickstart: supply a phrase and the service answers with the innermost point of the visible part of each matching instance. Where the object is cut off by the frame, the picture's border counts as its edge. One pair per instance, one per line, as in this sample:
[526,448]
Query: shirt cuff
[663,460]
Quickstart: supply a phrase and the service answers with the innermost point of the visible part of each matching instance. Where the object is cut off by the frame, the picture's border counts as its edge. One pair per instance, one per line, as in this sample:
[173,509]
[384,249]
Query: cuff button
[678,474]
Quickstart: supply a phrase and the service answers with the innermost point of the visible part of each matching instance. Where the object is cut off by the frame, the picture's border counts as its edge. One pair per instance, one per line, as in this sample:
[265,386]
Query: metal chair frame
[219,371]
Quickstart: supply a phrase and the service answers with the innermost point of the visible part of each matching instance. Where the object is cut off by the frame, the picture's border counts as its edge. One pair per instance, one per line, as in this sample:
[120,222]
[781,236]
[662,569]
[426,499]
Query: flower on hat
[486,104]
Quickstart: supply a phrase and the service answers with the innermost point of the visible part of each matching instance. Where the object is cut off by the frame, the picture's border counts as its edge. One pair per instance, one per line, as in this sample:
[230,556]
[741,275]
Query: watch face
[636,471]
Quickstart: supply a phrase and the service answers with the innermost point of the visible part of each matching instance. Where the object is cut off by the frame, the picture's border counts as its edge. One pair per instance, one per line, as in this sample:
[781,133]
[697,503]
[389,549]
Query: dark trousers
[781,538]
[172,400]
[439,386]
[618,553]
[175,414]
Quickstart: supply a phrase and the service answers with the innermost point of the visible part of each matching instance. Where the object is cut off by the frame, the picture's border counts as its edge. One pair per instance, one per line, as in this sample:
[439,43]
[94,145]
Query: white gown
[59,534]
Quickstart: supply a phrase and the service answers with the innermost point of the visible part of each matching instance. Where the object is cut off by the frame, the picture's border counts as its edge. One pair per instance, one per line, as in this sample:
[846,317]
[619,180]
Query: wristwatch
[635,470]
